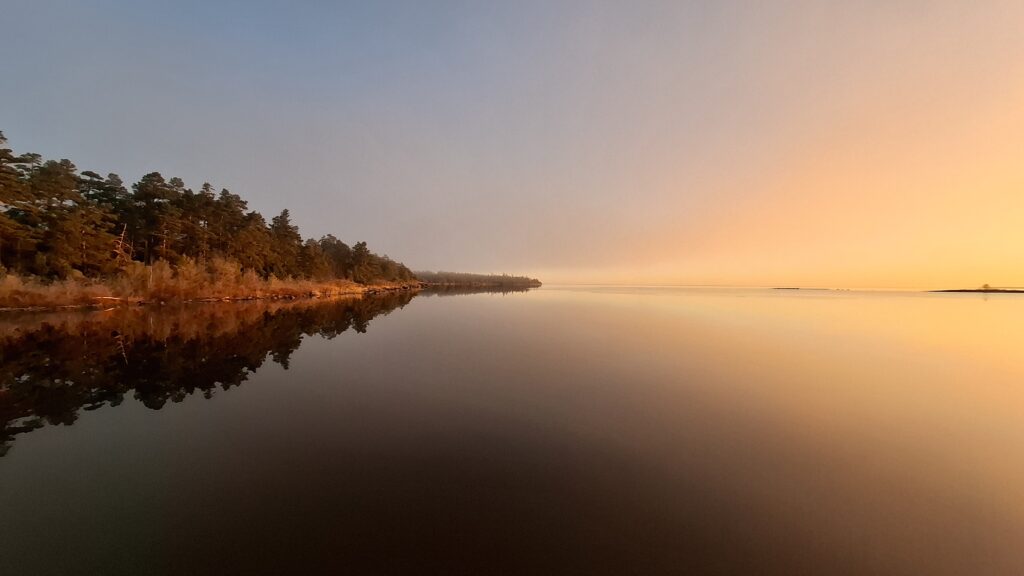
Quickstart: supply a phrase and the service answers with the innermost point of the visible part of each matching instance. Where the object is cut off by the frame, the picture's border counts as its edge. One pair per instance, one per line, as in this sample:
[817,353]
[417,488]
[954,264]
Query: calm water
[558,431]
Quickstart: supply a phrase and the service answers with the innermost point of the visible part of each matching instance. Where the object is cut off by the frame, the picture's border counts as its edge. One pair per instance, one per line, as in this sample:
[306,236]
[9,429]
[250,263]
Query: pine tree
[287,246]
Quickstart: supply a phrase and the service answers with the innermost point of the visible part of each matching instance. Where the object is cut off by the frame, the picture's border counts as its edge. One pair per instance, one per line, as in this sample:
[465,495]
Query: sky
[842,144]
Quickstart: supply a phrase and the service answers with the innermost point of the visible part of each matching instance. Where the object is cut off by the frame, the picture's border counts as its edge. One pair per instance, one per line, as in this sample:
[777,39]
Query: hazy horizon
[799,144]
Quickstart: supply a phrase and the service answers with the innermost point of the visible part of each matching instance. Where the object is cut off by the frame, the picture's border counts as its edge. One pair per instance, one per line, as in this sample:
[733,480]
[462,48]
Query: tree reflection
[53,365]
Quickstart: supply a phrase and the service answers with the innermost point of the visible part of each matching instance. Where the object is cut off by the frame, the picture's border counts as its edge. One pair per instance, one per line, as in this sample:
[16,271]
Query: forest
[59,224]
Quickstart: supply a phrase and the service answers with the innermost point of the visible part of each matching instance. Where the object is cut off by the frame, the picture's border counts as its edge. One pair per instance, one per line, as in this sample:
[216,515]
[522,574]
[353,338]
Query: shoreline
[283,291]
[286,292]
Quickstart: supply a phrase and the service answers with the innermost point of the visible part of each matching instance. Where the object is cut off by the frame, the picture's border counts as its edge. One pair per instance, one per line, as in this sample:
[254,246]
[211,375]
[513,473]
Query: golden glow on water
[902,410]
[570,430]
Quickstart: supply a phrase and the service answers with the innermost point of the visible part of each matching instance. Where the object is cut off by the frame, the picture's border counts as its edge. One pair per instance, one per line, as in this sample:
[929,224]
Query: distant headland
[464,279]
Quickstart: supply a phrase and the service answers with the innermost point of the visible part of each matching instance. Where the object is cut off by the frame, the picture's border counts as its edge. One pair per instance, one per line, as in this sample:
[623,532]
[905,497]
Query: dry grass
[218,279]
[18,292]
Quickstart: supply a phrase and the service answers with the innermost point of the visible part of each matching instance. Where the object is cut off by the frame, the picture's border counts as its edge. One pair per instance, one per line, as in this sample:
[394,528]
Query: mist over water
[555,431]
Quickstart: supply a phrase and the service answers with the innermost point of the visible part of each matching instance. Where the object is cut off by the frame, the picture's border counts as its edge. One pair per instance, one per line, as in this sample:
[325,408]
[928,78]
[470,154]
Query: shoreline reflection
[55,365]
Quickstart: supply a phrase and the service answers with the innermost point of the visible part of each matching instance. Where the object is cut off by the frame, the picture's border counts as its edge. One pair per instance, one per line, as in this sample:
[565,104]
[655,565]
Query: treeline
[477,280]
[59,223]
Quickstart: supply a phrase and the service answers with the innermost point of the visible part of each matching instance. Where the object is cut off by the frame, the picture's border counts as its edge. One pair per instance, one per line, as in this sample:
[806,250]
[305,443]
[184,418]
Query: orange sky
[798,142]
[907,172]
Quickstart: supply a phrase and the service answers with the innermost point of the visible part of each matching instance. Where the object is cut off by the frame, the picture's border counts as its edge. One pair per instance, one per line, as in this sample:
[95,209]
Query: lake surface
[557,431]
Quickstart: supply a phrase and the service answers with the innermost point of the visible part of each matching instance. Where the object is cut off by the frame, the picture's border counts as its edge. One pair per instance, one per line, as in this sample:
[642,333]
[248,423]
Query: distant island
[70,238]
[986,289]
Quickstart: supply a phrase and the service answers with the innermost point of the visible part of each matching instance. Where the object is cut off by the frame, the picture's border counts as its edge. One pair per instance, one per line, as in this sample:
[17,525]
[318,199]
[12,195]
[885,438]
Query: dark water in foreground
[559,431]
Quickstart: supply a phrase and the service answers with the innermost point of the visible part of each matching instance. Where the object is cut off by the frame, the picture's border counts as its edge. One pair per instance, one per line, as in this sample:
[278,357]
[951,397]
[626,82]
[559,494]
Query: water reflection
[567,431]
[463,290]
[54,365]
